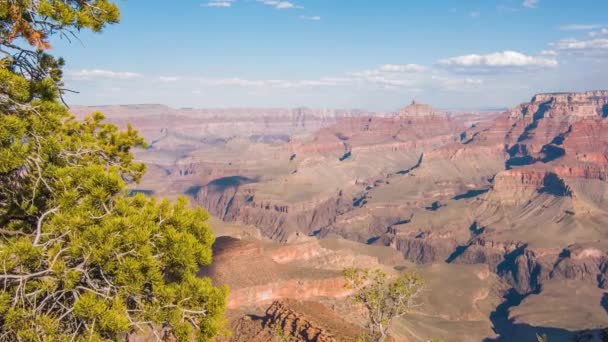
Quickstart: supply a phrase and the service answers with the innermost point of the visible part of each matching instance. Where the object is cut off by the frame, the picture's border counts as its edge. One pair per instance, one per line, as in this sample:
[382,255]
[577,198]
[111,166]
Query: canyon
[505,214]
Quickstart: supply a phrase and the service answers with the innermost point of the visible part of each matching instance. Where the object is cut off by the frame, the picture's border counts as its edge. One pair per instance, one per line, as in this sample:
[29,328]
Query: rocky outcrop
[419,110]
[295,321]
[585,263]
[535,131]
[421,248]
[539,127]
[585,171]
[588,142]
[332,287]
[519,185]
[278,221]
[526,268]
[415,127]
[277,273]
[583,104]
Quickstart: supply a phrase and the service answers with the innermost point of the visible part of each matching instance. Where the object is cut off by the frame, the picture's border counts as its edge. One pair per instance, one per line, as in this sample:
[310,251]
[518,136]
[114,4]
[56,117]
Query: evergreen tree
[79,259]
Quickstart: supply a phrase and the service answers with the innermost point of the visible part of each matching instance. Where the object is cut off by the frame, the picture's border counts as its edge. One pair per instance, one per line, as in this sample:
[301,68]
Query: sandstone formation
[418,110]
[298,321]
[309,268]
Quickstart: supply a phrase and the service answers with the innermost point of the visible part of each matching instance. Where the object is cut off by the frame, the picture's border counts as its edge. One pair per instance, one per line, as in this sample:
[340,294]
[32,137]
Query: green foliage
[364,338]
[79,259]
[35,20]
[281,336]
[384,298]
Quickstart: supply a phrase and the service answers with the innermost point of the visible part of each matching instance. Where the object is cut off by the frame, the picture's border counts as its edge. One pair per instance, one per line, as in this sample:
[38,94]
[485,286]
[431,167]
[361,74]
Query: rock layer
[296,321]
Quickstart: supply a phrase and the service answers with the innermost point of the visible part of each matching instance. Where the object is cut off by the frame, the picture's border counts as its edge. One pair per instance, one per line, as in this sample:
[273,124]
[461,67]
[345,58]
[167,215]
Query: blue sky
[371,54]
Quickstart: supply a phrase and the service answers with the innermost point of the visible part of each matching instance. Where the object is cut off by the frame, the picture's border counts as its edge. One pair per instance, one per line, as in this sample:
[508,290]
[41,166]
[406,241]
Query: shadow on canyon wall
[221,184]
[509,331]
[134,192]
[470,194]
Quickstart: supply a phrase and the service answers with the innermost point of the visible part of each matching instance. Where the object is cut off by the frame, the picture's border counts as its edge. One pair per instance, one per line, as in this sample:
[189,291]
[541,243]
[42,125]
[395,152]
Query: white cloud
[602,32]
[169,79]
[387,75]
[387,69]
[219,3]
[456,84]
[579,27]
[549,53]
[235,82]
[475,14]
[582,45]
[402,68]
[530,3]
[312,18]
[323,81]
[280,4]
[90,74]
[390,82]
[240,82]
[277,4]
[393,77]
[596,45]
[497,60]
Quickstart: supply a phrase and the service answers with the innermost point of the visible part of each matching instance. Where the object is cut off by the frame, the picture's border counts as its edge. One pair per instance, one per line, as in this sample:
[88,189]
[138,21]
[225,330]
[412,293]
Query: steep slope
[297,289]
[297,321]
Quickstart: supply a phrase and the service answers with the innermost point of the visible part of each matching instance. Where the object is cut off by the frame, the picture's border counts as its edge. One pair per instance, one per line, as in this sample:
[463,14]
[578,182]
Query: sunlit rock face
[419,110]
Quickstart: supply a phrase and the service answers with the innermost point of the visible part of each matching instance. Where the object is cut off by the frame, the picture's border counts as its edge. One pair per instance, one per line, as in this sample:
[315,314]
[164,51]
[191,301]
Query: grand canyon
[504,213]
[303,171]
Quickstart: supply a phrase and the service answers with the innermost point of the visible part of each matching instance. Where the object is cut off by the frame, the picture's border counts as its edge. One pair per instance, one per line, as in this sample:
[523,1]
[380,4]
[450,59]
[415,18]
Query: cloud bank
[505,60]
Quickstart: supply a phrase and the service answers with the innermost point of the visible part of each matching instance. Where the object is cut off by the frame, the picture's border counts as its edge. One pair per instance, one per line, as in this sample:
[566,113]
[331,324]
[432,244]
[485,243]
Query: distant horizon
[445,109]
[483,109]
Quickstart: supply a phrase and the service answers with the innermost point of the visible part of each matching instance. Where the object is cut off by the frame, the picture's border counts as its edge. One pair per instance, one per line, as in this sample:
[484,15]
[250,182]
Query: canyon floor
[505,214]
